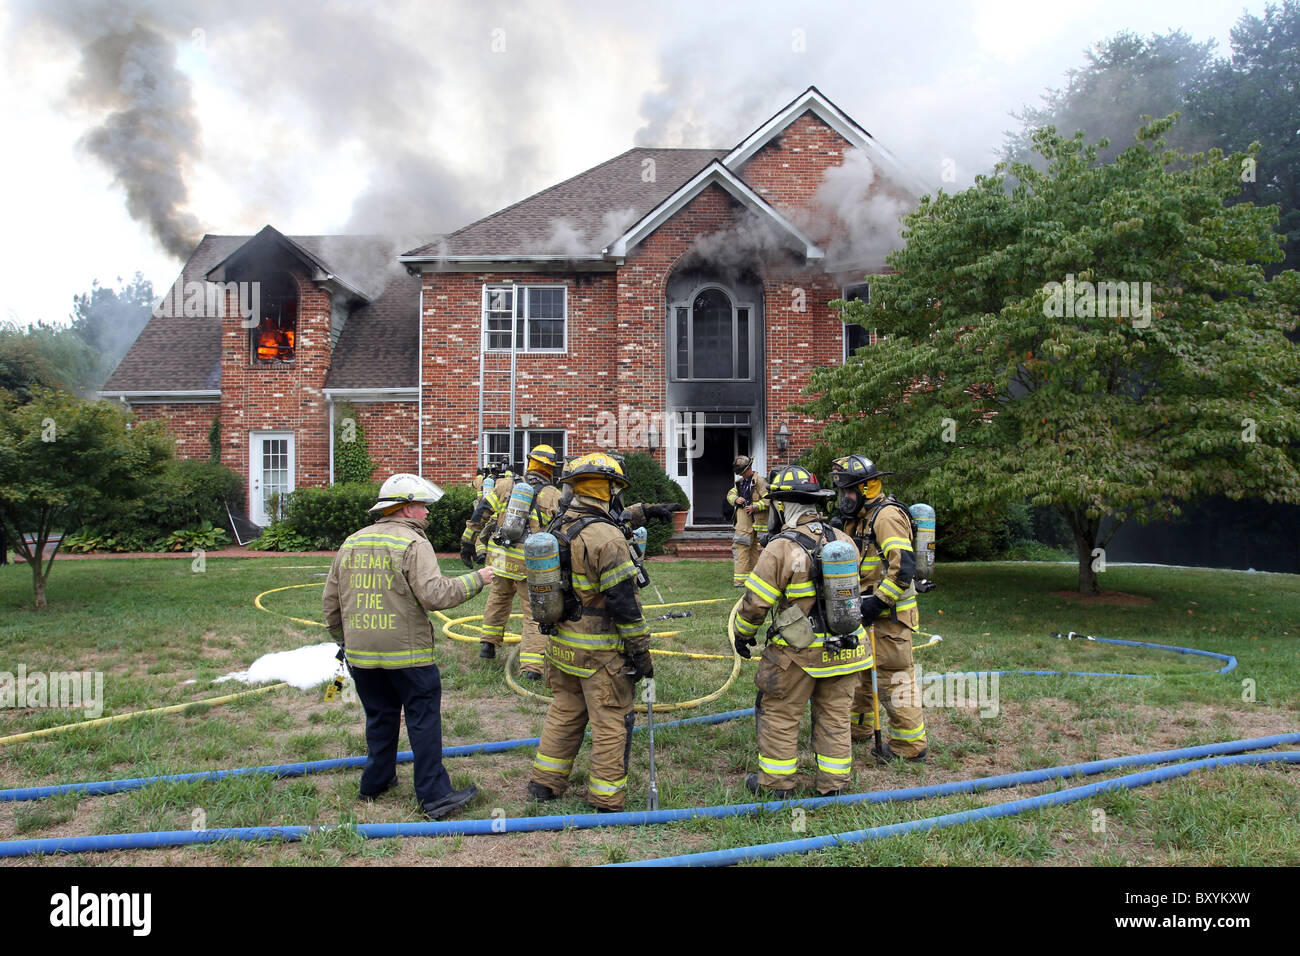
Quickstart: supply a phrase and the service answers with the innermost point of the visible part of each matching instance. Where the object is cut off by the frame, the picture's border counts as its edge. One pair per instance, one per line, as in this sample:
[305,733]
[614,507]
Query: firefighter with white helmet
[816,645]
[380,589]
[593,660]
[517,508]
[881,527]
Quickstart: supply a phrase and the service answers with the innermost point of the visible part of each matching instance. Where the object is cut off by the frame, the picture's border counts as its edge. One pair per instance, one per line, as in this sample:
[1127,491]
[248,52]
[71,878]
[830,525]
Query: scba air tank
[840,587]
[514,523]
[639,539]
[923,515]
[545,584]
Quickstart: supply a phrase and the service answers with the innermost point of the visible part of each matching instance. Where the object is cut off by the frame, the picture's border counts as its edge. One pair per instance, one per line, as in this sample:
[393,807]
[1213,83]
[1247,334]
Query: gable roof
[377,347]
[814,101]
[574,219]
[715,174]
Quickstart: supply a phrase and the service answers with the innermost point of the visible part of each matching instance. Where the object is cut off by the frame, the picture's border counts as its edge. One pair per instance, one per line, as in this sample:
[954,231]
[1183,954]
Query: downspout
[419,397]
[330,399]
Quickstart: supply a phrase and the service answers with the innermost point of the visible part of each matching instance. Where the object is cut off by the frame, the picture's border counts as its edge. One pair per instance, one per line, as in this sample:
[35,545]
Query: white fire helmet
[405,489]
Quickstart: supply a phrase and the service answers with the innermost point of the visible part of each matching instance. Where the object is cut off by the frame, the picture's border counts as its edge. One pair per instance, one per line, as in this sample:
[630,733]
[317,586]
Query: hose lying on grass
[498,825]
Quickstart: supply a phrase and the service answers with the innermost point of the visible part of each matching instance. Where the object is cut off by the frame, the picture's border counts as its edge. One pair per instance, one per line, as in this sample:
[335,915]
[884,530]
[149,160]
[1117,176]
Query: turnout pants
[500,602]
[900,696]
[784,690]
[604,700]
[744,553]
[384,695]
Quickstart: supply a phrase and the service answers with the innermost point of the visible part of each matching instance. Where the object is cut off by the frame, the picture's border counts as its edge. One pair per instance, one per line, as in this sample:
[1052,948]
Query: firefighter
[507,558]
[802,660]
[749,497]
[382,584]
[881,527]
[593,663]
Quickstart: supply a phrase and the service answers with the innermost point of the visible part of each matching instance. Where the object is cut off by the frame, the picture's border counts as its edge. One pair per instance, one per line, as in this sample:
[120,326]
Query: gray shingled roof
[576,216]
[376,350]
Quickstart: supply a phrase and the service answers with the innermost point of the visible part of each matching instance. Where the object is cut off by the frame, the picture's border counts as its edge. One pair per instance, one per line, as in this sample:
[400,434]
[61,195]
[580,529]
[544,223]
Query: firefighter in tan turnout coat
[882,529]
[593,663]
[506,556]
[802,661]
[749,497]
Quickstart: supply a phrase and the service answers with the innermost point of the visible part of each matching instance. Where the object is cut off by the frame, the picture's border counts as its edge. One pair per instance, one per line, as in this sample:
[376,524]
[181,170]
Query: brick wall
[188,421]
[559,391]
[389,428]
[279,396]
[787,171]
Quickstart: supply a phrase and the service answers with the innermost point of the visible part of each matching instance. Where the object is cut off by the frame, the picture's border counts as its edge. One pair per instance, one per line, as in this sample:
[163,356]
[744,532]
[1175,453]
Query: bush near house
[649,483]
[319,519]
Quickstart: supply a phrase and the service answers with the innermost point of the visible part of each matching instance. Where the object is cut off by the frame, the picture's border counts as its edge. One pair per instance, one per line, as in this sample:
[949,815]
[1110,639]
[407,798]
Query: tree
[63,460]
[1007,388]
[1254,97]
[24,366]
[1126,79]
[108,320]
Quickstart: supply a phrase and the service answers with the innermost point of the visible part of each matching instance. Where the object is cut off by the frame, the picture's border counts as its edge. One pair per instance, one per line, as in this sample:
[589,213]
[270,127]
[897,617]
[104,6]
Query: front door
[270,474]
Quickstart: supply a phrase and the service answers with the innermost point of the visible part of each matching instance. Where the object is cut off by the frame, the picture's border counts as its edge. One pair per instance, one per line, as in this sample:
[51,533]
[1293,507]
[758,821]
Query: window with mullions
[497,445]
[537,315]
[855,336]
[711,339]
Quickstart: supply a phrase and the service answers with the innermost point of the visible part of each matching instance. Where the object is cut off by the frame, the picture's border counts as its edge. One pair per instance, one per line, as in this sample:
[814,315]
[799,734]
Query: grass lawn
[160,633]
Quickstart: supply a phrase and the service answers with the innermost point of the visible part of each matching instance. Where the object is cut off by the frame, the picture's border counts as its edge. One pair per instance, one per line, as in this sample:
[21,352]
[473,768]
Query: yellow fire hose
[173,709]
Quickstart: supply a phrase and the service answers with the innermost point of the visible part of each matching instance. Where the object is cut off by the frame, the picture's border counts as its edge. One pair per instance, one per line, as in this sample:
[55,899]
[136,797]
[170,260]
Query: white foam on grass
[304,667]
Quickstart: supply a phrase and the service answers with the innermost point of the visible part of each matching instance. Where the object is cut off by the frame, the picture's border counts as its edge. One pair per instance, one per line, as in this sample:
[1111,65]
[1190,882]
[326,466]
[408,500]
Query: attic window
[273,338]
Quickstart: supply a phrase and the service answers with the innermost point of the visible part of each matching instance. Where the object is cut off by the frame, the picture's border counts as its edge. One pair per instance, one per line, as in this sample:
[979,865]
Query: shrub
[352,461]
[325,516]
[649,483]
[185,495]
[447,518]
[280,537]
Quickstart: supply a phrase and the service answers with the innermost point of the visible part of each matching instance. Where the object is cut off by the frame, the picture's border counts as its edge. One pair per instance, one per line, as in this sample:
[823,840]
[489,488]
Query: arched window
[711,338]
[273,338]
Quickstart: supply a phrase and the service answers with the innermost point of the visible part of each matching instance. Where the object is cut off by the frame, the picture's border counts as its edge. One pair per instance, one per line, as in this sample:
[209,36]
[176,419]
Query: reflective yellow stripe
[621,573]
[873,561]
[493,630]
[379,536]
[837,670]
[839,765]
[889,591]
[898,734]
[902,544]
[580,581]
[761,588]
[632,630]
[906,605]
[527,657]
[744,627]
[802,590]
[778,768]
[606,788]
[570,669]
[390,659]
[552,764]
[597,642]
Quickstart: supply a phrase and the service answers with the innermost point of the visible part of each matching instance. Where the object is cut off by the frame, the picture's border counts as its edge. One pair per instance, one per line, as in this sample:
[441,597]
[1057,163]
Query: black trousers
[384,695]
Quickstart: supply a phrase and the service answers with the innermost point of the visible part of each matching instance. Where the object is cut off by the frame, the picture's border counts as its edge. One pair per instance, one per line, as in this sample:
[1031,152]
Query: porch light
[783,440]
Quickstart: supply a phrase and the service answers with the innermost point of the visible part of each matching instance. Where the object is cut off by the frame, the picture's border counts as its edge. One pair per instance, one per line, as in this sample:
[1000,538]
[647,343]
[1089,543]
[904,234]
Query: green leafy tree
[1254,96]
[44,356]
[108,320]
[992,389]
[63,460]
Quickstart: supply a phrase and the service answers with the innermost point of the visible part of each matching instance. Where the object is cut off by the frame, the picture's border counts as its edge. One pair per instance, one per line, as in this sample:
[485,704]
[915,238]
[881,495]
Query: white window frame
[689,305]
[519,301]
[528,442]
[872,338]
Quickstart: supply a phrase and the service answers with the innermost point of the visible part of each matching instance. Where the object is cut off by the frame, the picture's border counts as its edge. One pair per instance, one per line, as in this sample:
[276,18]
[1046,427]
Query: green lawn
[153,626]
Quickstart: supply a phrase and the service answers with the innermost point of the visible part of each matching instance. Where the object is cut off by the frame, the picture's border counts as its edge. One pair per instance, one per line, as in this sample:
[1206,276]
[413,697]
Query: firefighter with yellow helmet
[517,507]
[595,656]
[816,647]
[881,527]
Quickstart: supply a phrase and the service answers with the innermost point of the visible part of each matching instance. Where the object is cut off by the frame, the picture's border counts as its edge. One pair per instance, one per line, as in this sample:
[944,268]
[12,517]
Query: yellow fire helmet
[542,458]
[595,475]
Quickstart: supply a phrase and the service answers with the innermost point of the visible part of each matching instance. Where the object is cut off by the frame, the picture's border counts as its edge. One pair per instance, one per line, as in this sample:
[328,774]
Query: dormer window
[273,338]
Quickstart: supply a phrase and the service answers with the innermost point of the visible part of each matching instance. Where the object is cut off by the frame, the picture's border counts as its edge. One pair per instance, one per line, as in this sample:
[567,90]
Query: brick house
[673,301]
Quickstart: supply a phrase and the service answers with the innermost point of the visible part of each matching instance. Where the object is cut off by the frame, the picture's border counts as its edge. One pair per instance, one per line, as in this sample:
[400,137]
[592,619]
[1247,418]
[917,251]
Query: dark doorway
[712,472]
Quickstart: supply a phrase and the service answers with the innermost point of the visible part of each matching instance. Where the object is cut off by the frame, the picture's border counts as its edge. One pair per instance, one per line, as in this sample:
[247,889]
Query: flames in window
[273,343]
[275,336]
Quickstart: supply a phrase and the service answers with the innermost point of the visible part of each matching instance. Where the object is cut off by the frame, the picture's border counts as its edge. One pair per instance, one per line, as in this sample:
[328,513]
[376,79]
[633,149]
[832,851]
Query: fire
[274,343]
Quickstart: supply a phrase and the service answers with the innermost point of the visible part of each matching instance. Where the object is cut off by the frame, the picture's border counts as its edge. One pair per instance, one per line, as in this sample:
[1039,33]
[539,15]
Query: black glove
[872,608]
[639,665]
[664,512]
[743,644]
[467,553]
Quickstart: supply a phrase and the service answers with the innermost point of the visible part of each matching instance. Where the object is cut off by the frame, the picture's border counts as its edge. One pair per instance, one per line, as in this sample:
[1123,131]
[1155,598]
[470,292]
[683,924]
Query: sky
[135,126]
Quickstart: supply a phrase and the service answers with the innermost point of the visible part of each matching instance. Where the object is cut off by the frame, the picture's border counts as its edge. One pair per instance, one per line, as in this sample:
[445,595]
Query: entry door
[705,470]
[270,473]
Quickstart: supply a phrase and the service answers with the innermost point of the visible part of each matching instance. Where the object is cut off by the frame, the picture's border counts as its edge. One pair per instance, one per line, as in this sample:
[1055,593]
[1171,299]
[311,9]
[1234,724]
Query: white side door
[270,473]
